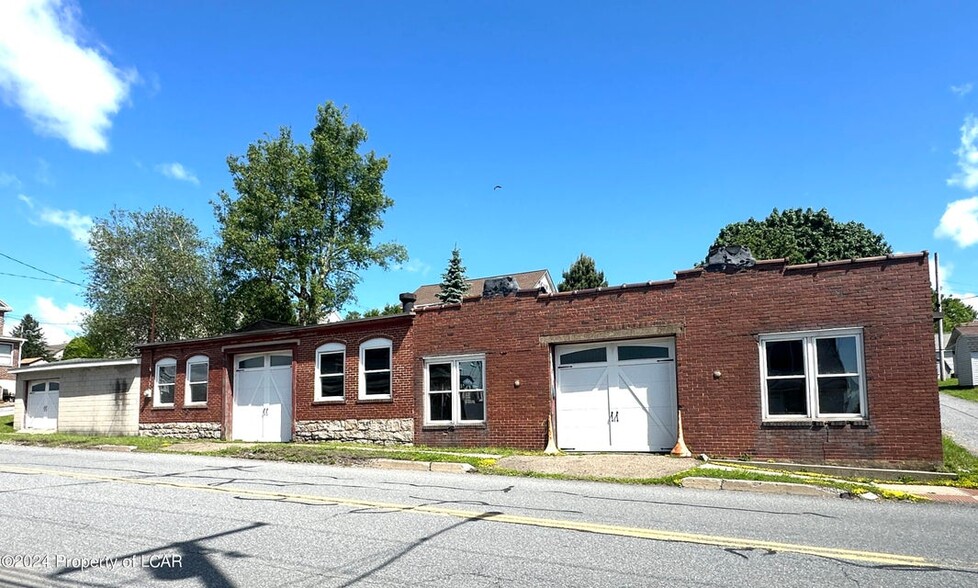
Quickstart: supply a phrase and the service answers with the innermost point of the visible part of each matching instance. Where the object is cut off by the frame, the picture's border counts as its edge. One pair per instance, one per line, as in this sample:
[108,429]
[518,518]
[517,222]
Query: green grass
[6,424]
[957,459]
[345,454]
[951,387]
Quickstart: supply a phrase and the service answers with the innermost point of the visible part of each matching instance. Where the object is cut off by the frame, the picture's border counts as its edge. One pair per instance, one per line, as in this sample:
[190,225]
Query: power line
[66,280]
[58,281]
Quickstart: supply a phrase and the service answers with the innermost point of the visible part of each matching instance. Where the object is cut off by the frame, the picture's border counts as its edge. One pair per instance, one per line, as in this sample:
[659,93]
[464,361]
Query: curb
[422,466]
[759,486]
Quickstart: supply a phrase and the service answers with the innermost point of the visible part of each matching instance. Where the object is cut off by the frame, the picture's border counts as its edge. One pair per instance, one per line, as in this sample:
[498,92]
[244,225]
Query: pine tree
[35,345]
[453,282]
[581,275]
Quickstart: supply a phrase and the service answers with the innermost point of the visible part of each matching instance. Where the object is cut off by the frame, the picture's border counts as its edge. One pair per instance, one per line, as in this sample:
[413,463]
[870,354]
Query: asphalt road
[959,420]
[149,519]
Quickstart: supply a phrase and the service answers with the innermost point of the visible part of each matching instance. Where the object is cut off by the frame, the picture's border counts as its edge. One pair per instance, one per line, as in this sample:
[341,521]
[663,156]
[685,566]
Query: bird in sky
[496,187]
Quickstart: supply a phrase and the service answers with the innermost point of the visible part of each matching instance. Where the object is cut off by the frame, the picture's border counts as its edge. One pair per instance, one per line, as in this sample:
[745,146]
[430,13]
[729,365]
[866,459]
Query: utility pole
[940,320]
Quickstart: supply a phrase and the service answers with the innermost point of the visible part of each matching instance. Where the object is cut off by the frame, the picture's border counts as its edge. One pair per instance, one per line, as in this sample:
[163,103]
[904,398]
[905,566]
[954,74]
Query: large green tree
[388,310]
[79,348]
[803,236]
[150,279]
[581,275]
[35,345]
[955,311]
[304,217]
[454,285]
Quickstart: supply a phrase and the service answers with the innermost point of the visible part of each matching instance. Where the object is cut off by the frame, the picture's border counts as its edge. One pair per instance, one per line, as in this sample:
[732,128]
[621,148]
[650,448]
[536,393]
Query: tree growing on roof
[454,285]
[305,216]
[150,279]
[581,275]
[35,345]
[803,236]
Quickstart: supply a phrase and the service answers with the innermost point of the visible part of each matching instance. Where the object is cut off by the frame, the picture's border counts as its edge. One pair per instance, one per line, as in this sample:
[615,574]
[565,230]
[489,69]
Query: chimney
[407,302]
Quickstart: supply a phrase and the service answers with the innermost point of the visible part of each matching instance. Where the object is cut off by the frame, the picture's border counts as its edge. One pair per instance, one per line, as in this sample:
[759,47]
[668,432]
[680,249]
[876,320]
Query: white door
[263,397]
[616,396]
[42,406]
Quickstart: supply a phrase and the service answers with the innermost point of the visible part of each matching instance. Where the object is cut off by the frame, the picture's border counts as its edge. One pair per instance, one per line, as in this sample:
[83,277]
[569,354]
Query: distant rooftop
[427,294]
[4,307]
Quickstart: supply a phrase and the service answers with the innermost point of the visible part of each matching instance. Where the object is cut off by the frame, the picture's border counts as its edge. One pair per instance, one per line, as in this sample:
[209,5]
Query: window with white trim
[195,389]
[375,369]
[813,375]
[165,384]
[6,354]
[330,362]
[455,390]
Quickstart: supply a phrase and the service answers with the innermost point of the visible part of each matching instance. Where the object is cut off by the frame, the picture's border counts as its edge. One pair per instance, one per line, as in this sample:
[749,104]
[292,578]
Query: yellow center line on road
[872,557]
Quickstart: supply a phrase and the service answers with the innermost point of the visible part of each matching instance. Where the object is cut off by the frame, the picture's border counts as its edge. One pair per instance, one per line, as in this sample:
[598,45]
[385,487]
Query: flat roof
[75,363]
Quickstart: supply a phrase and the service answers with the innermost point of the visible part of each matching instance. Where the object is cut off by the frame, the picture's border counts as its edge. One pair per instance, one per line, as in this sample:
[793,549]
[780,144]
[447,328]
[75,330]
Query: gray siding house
[964,341]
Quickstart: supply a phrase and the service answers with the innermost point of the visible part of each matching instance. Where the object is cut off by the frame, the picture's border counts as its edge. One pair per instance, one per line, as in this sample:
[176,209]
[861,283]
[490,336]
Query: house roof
[969,331]
[75,363]
[4,307]
[427,294]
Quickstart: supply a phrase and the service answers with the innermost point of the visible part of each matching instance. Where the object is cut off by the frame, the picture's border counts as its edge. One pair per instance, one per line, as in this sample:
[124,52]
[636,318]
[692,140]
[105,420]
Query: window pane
[6,348]
[594,355]
[785,358]
[440,376]
[377,359]
[440,407]
[38,387]
[378,383]
[837,355]
[54,386]
[838,395]
[332,386]
[626,352]
[473,406]
[198,393]
[252,362]
[787,397]
[470,375]
[331,363]
[198,372]
[166,374]
[281,360]
[166,394]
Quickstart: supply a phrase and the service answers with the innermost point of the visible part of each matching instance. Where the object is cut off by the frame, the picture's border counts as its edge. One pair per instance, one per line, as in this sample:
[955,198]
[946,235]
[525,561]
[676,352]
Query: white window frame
[810,361]
[456,390]
[187,397]
[376,343]
[7,359]
[320,351]
[165,362]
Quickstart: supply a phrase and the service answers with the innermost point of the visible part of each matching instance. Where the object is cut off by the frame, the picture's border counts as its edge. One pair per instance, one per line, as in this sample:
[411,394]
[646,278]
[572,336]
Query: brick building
[825,362]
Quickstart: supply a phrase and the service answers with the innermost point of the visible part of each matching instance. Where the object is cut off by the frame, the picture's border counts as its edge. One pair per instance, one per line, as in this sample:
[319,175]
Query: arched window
[375,369]
[330,364]
[195,390]
[165,385]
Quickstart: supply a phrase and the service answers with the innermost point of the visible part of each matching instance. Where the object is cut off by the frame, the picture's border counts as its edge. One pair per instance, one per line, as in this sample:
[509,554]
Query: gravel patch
[601,465]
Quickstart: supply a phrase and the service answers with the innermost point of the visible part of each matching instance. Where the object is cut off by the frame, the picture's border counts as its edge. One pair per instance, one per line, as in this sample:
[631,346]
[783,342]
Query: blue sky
[631,131]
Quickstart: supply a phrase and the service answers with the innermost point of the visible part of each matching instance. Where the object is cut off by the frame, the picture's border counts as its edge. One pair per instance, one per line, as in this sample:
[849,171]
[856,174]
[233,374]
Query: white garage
[616,395]
[42,406]
[263,397]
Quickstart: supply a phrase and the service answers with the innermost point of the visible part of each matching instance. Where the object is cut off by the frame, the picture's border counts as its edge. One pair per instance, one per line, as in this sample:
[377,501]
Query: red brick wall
[719,316]
[302,342]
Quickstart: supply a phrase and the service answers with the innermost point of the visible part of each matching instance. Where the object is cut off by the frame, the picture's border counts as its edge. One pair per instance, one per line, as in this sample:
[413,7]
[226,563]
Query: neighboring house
[822,362]
[85,396]
[539,280]
[964,341]
[57,352]
[9,356]
[947,355]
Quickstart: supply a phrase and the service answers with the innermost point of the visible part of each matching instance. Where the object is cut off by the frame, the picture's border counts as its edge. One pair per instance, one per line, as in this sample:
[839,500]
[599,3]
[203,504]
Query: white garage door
[616,396]
[263,397]
[42,406]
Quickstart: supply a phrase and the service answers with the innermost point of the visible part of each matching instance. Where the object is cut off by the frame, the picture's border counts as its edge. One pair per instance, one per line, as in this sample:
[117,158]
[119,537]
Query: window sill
[452,426]
[197,405]
[164,407]
[815,423]
[378,400]
[321,401]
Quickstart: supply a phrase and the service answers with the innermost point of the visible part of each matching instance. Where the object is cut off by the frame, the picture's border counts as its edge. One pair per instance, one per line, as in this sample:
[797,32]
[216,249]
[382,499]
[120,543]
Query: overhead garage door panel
[630,406]
[263,398]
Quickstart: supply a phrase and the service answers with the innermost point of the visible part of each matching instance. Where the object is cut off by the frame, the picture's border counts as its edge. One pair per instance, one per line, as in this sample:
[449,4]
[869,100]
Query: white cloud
[967,154]
[947,288]
[414,266]
[9,181]
[72,221]
[177,172]
[963,89]
[960,222]
[65,88]
[59,323]
[26,200]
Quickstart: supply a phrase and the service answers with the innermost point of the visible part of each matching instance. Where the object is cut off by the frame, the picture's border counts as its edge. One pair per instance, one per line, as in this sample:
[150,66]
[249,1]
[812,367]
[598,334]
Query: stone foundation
[382,431]
[181,430]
